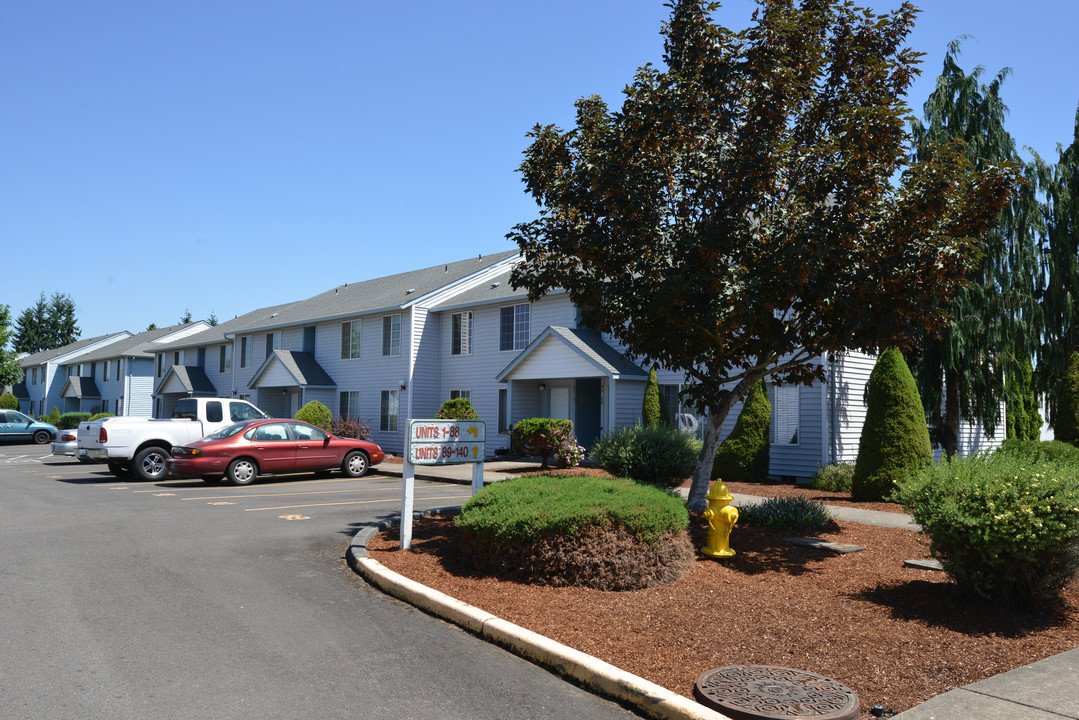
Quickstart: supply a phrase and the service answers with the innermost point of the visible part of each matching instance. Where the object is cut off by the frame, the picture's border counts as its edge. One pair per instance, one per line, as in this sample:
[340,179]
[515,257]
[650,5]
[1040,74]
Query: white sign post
[439,442]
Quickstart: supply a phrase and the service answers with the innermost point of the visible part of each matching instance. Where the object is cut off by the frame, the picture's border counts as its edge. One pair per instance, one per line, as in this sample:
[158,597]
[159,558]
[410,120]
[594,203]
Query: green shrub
[1004,525]
[9,402]
[71,420]
[652,409]
[894,444]
[788,513]
[317,414]
[540,437]
[607,533]
[660,455]
[1066,422]
[833,478]
[1041,450]
[1023,419]
[100,415]
[353,428]
[743,455]
[457,409]
[53,418]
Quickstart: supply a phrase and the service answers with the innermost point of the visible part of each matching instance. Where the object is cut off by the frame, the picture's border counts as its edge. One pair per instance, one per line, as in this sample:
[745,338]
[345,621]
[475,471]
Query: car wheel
[212,480]
[120,470]
[355,464]
[242,471]
[42,436]
[149,464]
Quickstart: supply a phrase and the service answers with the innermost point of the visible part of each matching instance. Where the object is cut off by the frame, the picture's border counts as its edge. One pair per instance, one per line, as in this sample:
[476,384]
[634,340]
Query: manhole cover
[755,692]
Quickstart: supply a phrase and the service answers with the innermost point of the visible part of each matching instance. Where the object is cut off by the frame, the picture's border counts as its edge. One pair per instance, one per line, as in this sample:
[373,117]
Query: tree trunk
[713,424]
[950,436]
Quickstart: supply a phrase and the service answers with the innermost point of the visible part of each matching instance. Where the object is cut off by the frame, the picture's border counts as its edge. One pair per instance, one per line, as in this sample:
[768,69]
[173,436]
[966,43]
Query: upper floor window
[351,338]
[391,335]
[513,328]
[225,359]
[461,333]
[245,351]
[107,368]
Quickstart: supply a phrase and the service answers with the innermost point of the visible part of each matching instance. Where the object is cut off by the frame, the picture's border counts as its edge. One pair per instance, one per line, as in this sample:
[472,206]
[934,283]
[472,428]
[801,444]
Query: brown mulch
[896,636]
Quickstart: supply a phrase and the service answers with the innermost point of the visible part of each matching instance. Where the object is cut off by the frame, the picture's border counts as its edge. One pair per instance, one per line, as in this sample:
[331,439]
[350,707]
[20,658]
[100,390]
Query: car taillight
[102,436]
[67,437]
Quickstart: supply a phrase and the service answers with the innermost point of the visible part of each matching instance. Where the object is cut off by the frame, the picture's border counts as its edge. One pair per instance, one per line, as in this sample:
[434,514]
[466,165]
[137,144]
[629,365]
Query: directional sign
[446,442]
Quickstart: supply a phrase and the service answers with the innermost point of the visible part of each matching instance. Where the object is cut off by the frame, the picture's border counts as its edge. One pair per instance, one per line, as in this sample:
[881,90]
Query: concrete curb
[592,673]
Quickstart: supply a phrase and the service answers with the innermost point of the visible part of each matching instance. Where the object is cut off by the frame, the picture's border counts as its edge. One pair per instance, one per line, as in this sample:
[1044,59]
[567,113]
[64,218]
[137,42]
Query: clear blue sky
[224,156]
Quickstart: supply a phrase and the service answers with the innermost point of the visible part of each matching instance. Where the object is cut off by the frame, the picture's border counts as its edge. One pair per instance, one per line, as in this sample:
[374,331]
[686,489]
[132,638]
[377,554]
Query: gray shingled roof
[40,358]
[590,345]
[138,345]
[384,293]
[301,365]
[216,334]
[84,387]
[194,379]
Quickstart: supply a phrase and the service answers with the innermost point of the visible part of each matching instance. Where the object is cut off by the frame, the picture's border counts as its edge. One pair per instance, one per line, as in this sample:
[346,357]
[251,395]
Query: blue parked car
[16,426]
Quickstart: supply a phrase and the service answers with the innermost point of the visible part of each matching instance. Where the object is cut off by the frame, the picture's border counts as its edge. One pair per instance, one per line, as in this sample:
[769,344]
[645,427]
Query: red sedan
[242,451]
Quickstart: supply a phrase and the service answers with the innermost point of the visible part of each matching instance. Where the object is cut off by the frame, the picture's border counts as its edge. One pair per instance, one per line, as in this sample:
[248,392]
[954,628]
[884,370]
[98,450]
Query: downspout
[833,411]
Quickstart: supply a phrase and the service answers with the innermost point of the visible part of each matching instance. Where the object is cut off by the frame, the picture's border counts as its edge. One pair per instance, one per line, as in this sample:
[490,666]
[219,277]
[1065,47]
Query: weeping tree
[961,367]
[737,218]
[1060,295]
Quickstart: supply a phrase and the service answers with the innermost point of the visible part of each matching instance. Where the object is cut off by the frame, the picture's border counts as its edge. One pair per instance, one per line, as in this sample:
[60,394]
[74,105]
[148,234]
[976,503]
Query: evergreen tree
[10,370]
[960,368]
[744,455]
[46,325]
[212,320]
[895,439]
[652,409]
[1024,419]
[186,317]
[1060,294]
[1066,427]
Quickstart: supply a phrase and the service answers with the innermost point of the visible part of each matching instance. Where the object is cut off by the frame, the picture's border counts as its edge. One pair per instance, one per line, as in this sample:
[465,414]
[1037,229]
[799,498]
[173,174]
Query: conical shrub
[743,455]
[652,410]
[895,439]
[1066,427]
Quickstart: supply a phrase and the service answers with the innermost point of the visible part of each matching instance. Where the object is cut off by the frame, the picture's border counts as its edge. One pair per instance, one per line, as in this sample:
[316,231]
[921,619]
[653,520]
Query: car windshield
[227,431]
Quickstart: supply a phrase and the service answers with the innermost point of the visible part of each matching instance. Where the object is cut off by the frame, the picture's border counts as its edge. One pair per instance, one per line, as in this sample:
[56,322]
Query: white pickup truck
[139,447]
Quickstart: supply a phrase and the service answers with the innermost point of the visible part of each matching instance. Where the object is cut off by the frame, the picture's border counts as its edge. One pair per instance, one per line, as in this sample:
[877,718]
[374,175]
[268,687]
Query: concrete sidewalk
[1045,690]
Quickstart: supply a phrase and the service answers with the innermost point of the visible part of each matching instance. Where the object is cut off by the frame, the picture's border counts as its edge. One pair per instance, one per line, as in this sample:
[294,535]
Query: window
[33,376]
[350,404]
[274,432]
[783,429]
[117,372]
[513,327]
[107,368]
[668,395]
[273,342]
[93,369]
[461,333]
[391,335]
[466,394]
[503,411]
[306,432]
[225,359]
[119,404]
[351,339]
[245,351]
[242,411]
[178,357]
[105,404]
[214,412]
[160,364]
[387,416]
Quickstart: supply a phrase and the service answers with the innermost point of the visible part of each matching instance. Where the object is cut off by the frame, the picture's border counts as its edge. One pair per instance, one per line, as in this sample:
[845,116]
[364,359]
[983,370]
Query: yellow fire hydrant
[721,517]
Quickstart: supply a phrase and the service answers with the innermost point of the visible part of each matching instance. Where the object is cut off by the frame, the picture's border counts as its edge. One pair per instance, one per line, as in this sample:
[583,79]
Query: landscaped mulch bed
[896,636]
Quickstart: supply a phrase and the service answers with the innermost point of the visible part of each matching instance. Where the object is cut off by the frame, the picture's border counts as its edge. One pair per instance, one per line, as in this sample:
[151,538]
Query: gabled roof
[141,344]
[585,345]
[223,332]
[71,350]
[80,387]
[301,366]
[185,379]
[392,292]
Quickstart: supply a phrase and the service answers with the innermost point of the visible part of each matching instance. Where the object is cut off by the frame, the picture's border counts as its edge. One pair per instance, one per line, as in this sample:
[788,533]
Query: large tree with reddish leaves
[741,214]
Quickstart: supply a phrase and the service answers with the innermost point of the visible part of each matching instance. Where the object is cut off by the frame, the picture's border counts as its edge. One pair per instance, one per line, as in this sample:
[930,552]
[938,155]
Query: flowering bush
[569,453]
[1005,526]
